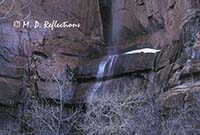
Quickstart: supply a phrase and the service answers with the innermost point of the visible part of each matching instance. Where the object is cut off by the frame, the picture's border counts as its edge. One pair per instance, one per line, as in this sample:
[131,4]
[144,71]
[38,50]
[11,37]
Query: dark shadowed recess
[106,16]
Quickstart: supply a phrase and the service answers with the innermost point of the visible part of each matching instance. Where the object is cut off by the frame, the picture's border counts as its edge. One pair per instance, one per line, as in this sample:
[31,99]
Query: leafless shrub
[8,9]
[50,117]
[119,112]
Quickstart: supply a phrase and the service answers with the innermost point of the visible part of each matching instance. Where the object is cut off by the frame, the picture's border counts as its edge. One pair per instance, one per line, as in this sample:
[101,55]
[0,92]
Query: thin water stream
[108,62]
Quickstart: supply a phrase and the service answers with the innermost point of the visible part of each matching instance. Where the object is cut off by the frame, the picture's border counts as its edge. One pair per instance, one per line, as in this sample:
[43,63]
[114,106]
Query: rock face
[26,53]
[168,67]
[144,16]
[156,23]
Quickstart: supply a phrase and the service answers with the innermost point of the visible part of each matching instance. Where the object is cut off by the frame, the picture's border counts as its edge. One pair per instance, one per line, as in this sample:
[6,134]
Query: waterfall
[107,64]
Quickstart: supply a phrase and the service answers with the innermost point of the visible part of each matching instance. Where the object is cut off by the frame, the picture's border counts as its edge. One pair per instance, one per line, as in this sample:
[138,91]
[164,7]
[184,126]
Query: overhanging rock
[124,64]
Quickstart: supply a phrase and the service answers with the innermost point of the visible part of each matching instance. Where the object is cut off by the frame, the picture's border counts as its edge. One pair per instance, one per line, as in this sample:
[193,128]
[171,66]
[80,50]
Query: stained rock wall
[162,21]
[26,53]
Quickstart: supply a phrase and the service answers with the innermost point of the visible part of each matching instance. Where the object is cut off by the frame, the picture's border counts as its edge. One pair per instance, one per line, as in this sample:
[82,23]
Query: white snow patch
[144,50]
